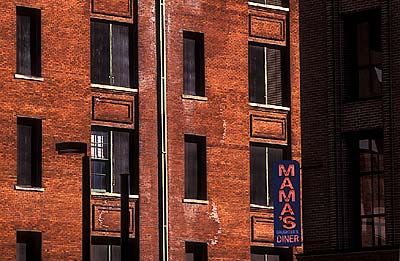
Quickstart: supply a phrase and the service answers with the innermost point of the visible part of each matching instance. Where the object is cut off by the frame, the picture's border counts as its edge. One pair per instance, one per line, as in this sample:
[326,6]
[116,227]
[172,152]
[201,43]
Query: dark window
[195,167]
[196,251]
[266,75]
[111,53]
[284,3]
[28,41]
[264,257]
[371,192]
[193,63]
[105,249]
[111,156]
[262,159]
[29,246]
[270,254]
[364,54]
[29,152]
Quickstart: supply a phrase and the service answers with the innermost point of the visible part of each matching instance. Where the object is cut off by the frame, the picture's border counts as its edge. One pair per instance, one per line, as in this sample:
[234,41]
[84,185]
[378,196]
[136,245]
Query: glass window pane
[274,73]
[99,175]
[99,145]
[257,257]
[100,52]
[376,81]
[379,194]
[120,159]
[189,66]
[21,251]
[272,258]
[115,253]
[366,232]
[379,225]
[189,256]
[24,155]
[365,162]
[191,170]
[258,175]
[363,43]
[120,56]
[24,63]
[364,83]
[366,195]
[274,155]
[99,253]
[257,74]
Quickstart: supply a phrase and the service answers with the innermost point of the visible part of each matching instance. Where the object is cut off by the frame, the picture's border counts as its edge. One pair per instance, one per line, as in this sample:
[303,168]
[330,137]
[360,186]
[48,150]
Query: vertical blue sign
[286,188]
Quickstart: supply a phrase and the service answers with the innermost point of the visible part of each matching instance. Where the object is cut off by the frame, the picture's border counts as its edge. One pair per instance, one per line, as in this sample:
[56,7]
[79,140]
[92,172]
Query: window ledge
[194,97]
[109,194]
[114,88]
[28,77]
[260,207]
[195,201]
[275,7]
[268,106]
[24,188]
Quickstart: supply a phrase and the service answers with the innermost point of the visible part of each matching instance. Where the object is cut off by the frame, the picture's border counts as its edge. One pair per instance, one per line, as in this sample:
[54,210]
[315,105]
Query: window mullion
[111,157]
[266,74]
[266,176]
[111,56]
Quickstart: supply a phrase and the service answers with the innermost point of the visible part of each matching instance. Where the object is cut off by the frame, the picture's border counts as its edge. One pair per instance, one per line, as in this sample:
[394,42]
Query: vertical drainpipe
[163,170]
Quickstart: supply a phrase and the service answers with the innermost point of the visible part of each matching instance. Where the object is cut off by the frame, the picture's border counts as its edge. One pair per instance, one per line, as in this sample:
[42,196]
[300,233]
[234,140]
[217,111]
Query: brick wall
[329,203]
[62,101]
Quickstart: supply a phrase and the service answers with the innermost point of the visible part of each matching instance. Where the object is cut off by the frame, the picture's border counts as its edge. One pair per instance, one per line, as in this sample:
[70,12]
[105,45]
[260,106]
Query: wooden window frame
[199,88]
[201,177]
[35,41]
[36,152]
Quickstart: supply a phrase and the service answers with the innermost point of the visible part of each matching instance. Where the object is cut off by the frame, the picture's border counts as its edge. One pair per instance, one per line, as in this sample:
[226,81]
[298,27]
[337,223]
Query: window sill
[114,88]
[260,207]
[109,194]
[24,188]
[28,77]
[195,201]
[275,7]
[268,106]
[194,97]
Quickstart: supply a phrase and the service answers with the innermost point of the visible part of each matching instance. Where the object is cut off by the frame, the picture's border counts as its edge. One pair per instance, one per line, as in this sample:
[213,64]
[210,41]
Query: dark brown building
[194,99]
[349,121]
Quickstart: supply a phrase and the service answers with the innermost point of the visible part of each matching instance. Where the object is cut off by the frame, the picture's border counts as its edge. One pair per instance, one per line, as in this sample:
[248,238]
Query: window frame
[132,57]
[28,238]
[351,21]
[109,242]
[35,126]
[35,41]
[110,188]
[371,135]
[277,3]
[201,167]
[268,189]
[285,254]
[284,76]
[198,249]
[199,58]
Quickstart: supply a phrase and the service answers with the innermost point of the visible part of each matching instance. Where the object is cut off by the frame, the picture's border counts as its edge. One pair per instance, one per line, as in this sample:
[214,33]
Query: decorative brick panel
[113,110]
[270,126]
[268,27]
[122,8]
[262,229]
[107,218]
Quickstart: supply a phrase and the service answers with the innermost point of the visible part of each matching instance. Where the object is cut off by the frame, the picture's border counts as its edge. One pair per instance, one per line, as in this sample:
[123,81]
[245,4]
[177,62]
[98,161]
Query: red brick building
[193,99]
[349,118]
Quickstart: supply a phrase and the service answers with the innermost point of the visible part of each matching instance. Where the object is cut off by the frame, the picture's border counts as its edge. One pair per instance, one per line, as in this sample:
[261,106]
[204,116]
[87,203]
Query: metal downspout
[163,129]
